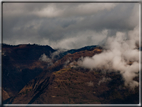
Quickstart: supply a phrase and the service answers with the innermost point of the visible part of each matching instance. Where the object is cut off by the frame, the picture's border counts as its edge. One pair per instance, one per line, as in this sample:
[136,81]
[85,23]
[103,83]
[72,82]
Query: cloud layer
[66,25]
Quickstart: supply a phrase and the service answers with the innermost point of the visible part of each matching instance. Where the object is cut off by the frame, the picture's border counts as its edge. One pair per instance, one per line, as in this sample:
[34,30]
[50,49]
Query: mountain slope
[65,82]
[20,64]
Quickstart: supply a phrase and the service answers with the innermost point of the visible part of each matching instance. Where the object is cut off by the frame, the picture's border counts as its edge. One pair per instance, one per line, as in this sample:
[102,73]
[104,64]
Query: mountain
[5,95]
[65,82]
[22,53]
[20,64]
[71,51]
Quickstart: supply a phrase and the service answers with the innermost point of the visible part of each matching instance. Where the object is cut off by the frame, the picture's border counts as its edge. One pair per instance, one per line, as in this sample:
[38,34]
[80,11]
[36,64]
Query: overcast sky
[66,25]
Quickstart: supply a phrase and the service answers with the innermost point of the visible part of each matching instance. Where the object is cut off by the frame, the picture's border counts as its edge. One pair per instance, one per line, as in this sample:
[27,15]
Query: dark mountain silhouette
[77,50]
[22,53]
[20,64]
[63,82]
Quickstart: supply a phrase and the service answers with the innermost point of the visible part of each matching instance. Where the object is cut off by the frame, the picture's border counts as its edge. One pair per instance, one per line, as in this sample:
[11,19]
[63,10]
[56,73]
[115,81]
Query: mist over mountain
[121,54]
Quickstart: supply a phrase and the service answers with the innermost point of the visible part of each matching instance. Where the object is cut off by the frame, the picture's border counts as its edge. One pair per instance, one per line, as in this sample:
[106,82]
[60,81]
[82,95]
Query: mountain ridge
[65,82]
[16,69]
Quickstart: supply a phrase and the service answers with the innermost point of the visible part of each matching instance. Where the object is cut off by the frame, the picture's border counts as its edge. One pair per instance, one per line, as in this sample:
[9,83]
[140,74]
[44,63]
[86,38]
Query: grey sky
[66,25]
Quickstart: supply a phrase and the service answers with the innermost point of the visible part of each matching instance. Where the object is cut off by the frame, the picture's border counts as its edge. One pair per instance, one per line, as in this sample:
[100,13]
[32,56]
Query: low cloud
[120,51]
[55,55]
[88,37]
[44,58]
[104,80]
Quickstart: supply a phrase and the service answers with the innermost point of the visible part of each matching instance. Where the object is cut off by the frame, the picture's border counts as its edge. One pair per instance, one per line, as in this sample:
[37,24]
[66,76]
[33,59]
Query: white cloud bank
[121,50]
